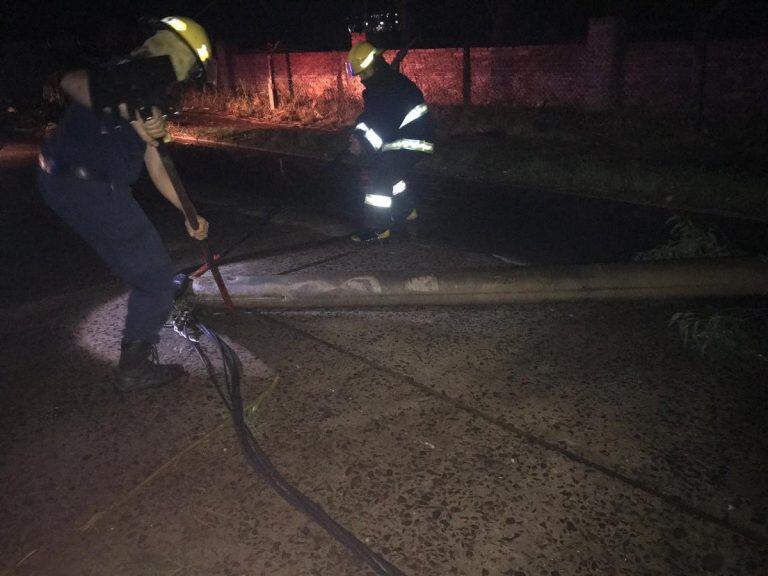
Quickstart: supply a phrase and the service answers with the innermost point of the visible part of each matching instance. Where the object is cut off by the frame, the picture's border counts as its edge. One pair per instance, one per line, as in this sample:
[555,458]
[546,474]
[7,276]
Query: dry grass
[242,102]
[330,109]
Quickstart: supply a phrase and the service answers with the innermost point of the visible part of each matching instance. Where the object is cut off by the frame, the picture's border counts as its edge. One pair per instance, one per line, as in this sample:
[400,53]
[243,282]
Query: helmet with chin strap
[361,58]
[194,36]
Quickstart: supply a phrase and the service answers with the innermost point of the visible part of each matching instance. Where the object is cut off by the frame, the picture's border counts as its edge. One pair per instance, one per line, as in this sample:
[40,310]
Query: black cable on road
[317,262]
[283,250]
[221,256]
[674,501]
[228,388]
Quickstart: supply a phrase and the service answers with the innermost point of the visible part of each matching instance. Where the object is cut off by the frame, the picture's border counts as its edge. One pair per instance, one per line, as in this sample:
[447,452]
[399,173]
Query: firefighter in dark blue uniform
[88,165]
[395,131]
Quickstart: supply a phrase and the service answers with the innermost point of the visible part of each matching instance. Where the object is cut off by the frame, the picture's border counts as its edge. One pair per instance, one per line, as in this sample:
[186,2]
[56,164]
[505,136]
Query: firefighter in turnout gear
[395,132]
[107,135]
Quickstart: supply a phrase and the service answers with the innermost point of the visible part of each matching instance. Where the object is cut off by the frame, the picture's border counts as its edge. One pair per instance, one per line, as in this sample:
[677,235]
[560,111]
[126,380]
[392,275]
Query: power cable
[228,388]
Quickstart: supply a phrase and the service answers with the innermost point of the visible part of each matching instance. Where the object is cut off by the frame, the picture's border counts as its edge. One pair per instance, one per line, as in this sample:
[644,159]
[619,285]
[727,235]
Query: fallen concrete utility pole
[625,281]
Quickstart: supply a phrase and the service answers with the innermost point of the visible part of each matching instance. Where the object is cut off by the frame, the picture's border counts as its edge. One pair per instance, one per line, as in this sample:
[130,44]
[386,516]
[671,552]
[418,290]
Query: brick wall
[437,72]
[529,76]
[249,70]
[597,74]
[661,76]
[737,74]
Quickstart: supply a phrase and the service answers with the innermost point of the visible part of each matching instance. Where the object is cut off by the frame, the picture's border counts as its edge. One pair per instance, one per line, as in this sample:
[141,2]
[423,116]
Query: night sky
[317,24]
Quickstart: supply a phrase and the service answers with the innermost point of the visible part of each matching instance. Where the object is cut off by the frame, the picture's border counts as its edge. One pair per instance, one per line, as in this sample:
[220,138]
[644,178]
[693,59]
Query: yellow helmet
[361,57]
[193,36]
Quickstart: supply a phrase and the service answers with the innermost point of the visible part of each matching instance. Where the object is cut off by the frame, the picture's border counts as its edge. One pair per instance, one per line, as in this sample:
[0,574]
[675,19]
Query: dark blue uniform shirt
[388,96]
[112,150]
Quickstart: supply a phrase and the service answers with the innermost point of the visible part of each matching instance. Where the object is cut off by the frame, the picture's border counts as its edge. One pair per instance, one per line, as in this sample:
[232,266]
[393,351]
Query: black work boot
[139,368]
[411,224]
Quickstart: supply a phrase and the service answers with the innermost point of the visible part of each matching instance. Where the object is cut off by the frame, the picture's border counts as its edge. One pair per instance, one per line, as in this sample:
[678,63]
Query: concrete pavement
[518,439]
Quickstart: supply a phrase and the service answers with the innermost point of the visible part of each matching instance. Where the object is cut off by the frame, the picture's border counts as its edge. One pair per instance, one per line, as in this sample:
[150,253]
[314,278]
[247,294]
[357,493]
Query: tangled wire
[227,385]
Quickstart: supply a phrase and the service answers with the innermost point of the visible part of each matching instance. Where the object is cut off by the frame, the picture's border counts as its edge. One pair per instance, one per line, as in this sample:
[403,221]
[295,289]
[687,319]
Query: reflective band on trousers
[370,135]
[408,144]
[398,188]
[378,200]
[415,113]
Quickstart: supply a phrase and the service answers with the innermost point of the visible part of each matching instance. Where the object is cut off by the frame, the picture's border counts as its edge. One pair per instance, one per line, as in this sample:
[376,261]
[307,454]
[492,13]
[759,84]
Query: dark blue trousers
[108,218]
[390,168]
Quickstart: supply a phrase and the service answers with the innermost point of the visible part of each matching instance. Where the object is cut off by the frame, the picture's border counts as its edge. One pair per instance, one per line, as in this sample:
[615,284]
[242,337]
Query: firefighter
[395,132]
[88,164]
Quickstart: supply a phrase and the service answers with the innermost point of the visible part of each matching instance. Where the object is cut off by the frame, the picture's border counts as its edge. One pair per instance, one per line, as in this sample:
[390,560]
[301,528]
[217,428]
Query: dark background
[323,23]
[40,37]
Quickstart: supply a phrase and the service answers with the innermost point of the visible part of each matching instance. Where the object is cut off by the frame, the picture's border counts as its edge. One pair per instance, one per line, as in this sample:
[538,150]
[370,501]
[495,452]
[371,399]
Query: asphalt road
[235,190]
[575,438]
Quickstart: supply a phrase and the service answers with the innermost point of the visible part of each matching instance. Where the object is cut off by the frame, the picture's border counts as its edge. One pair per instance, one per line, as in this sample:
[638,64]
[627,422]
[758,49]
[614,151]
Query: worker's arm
[151,131]
[163,183]
[75,85]
[136,83]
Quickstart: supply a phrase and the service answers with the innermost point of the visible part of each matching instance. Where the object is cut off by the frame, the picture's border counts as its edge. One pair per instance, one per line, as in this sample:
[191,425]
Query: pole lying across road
[716,277]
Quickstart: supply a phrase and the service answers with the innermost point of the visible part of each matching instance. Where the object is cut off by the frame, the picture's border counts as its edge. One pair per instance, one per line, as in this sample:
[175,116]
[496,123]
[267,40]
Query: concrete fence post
[699,78]
[603,65]
[466,81]
[289,73]
[224,73]
[271,89]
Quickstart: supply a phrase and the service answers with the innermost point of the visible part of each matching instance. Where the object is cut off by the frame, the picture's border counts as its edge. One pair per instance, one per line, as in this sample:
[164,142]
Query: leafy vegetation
[725,334]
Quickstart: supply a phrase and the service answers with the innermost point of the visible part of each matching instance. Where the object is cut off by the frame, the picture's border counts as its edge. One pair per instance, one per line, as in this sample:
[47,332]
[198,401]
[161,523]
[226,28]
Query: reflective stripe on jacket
[395,116]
